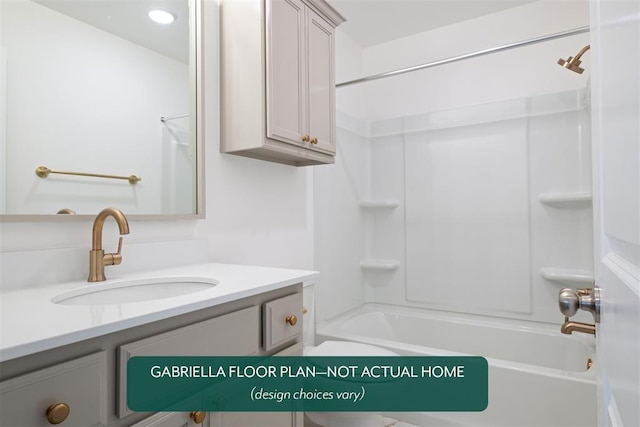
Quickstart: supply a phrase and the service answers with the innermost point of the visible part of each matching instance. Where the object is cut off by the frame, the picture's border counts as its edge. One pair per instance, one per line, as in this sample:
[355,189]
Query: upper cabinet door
[286,80]
[321,83]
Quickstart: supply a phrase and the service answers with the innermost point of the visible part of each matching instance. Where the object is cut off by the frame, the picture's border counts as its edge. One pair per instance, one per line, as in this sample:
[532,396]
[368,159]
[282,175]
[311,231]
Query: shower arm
[582,51]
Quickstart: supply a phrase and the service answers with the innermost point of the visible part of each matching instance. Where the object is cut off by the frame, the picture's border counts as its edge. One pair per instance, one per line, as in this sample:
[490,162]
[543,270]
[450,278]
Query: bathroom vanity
[68,361]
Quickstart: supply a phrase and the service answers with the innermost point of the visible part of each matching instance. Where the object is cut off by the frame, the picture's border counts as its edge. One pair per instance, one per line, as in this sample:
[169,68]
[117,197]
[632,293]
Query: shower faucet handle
[569,301]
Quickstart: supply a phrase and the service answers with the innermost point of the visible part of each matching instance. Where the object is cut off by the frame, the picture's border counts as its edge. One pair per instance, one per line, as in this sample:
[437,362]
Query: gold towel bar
[43,172]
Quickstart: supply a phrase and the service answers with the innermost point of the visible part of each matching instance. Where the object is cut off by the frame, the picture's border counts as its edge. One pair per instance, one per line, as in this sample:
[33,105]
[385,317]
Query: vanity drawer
[294,350]
[233,334]
[282,321]
[81,384]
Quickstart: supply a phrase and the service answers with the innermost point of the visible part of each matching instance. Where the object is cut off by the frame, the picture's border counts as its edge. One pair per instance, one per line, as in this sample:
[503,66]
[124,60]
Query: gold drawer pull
[304,310]
[292,320]
[198,416]
[305,138]
[314,140]
[57,413]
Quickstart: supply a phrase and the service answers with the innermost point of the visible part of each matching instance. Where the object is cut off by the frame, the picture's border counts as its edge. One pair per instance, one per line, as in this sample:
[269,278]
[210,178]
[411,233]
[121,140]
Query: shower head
[572,63]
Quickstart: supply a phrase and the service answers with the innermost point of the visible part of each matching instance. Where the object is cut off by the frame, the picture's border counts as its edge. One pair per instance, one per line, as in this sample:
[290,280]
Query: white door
[615,73]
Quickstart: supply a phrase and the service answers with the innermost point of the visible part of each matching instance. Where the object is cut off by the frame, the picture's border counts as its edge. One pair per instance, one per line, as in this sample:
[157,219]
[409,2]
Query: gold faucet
[568,327]
[97,258]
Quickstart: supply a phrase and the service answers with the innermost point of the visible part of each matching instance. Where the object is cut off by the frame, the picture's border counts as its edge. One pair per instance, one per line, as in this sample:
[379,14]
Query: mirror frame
[196,78]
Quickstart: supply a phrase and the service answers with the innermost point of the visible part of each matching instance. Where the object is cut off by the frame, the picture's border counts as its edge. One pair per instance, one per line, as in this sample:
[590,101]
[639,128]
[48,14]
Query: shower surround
[463,187]
[469,222]
[464,191]
[483,209]
[491,202]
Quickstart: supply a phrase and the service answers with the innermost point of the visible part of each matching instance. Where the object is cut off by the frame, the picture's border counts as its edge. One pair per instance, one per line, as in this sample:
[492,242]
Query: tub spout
[568,327]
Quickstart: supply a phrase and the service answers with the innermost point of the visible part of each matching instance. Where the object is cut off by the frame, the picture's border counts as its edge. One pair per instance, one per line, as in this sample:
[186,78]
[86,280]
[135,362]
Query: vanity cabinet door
[282,321]
[73,393]
[172,419]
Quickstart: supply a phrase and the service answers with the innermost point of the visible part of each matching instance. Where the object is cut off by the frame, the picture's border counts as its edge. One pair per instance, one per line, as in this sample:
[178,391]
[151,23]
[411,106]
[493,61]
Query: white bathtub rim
[328,331]
[588,376]
[542,328]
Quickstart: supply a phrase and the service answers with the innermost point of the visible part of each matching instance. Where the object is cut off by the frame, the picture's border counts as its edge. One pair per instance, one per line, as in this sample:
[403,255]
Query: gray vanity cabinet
[84,383]
[73,392]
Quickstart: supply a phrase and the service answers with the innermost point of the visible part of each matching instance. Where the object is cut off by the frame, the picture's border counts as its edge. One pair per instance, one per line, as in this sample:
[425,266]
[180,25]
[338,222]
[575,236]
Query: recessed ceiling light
[162,16]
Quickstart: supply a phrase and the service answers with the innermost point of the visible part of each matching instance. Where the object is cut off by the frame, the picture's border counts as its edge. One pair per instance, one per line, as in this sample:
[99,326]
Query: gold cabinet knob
[198,416]
[292,320]
[57,413]
[314,140]
[305,138]
[304,310]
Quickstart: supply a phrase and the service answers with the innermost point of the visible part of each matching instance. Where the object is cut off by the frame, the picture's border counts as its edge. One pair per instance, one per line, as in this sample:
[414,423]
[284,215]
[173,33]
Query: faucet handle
[120,246]
[114,259]
[568,302]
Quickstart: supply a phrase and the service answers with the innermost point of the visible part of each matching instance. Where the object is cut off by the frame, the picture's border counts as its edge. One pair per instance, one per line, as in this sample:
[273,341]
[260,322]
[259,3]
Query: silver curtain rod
[175,116]
[528,42]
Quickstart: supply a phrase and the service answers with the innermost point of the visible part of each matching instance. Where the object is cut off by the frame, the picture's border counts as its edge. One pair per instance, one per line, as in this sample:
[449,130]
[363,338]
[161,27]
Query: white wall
[257,212]
[338,189]
[349,66]
[81,99]
[3,123]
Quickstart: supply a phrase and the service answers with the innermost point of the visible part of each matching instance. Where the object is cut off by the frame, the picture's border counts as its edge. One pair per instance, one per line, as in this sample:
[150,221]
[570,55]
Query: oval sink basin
[136,290]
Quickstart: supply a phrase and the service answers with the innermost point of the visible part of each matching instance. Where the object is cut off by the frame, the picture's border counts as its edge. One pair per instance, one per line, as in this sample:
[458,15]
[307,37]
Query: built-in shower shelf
[379,204]
[379,264]
[565,199]
[567,277]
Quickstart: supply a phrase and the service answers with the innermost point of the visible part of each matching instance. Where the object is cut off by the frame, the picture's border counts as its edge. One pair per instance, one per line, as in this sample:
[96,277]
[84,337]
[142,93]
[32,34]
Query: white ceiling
[128,19]
[371,22]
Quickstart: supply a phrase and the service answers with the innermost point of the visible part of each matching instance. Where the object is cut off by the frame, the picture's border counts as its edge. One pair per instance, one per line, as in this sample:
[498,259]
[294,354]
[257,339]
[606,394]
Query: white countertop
[30,322]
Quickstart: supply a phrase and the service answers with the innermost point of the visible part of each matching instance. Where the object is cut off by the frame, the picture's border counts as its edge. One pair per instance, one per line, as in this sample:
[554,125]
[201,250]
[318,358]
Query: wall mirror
[100,107]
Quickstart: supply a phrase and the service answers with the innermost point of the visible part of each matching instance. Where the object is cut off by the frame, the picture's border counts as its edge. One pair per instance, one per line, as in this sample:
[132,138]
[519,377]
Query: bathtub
[537,376]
